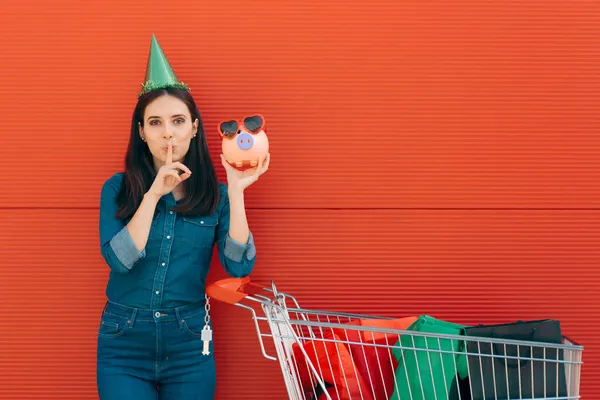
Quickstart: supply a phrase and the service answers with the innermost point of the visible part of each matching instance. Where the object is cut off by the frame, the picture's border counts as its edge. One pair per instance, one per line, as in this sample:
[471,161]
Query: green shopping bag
[428,375]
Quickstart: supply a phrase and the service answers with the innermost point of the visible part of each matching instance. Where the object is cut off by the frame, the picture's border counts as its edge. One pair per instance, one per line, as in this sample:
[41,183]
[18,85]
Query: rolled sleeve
[236,251]
[238,259]
[125,250]
[116,245]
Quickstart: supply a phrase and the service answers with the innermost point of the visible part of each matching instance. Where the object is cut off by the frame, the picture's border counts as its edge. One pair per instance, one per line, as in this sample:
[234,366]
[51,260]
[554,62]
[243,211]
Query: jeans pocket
[112,325]
[194,324]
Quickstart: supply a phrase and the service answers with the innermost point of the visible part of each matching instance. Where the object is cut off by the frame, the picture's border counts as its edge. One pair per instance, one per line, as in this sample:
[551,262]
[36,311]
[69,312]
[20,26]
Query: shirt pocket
[156,232]
[199,232]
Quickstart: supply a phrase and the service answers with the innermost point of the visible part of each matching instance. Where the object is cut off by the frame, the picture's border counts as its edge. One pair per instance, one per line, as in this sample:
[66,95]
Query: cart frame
[294,330]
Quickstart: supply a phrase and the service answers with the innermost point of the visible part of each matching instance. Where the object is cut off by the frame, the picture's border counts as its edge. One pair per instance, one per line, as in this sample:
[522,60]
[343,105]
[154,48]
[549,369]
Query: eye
[180,121]
[153,122]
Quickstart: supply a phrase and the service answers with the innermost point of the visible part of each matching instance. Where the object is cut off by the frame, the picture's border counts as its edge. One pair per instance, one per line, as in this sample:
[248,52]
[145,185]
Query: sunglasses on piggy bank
[252,124]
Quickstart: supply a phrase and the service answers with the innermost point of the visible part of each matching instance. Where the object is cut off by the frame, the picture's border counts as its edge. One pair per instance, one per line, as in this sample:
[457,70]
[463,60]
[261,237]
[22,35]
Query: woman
[159,221]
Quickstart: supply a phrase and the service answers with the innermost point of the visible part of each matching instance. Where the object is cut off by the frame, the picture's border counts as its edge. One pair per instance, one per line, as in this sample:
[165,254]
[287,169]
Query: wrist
[235,193]
[152,197]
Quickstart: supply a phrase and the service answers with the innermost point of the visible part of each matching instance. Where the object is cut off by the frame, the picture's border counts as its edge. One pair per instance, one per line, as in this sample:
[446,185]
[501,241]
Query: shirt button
[157,292]
[201,222]
[157,314]
[169,237]
[171,212]
[163,264]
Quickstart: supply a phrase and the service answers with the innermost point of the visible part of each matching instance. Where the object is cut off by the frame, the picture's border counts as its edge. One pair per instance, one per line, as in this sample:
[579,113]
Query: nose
[245,141]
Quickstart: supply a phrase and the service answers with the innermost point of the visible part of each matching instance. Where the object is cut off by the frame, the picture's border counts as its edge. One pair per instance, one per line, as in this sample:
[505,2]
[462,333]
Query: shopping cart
[332,355]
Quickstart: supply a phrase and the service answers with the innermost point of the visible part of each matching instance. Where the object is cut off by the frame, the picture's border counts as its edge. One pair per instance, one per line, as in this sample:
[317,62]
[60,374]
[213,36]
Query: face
[167,119]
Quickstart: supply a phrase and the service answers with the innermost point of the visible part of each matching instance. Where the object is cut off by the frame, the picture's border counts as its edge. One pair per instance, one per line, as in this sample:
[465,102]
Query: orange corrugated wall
[436,157]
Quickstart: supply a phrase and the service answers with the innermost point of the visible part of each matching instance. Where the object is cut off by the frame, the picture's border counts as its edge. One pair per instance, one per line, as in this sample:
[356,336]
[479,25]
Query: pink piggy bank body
[244,142]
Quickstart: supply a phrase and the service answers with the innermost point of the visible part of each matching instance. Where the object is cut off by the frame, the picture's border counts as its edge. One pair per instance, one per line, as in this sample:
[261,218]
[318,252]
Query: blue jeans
[154,354]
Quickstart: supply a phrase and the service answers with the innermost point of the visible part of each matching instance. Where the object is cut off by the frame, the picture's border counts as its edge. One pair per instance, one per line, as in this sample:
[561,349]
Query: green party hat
[159,73]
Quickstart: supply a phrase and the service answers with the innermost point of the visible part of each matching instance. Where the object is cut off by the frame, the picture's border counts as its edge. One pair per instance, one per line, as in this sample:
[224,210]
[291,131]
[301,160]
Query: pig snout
[245,141]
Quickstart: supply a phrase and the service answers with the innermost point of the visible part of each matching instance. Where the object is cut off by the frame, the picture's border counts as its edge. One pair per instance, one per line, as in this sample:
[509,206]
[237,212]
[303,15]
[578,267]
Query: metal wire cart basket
[331,355]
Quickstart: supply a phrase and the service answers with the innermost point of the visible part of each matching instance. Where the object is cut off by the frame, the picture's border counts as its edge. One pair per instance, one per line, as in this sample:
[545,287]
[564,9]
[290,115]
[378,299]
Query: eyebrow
[172,116]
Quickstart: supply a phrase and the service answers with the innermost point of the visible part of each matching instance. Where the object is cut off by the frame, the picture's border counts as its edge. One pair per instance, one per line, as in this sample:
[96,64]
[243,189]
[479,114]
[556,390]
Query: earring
[142,136]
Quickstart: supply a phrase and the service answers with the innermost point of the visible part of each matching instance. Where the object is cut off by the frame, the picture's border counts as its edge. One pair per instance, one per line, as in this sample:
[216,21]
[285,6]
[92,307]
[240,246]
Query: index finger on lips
[169,153]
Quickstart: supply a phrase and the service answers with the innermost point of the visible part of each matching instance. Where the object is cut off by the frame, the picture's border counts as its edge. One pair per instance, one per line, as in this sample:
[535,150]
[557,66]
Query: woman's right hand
[168,176]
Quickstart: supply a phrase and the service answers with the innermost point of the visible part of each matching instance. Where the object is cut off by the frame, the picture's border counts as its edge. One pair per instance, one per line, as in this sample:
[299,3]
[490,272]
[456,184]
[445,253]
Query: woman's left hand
[240,180]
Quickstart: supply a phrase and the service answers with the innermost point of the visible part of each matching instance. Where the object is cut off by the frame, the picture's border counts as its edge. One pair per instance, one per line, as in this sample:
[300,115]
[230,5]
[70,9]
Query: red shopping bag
[334,364]
[373,361]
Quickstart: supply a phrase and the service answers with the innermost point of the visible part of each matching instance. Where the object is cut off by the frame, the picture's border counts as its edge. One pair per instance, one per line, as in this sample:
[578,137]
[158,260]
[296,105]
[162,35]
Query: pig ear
[228,129]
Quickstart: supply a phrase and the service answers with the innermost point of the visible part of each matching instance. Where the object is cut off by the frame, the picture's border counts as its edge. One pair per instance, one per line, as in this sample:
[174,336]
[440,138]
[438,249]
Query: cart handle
[233,290]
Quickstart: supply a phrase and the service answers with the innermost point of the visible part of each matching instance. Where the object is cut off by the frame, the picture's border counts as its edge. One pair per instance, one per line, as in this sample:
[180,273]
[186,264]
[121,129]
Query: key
[206,338]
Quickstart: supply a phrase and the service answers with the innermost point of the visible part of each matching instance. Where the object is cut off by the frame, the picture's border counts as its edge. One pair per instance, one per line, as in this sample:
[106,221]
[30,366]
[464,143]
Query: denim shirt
[171,270]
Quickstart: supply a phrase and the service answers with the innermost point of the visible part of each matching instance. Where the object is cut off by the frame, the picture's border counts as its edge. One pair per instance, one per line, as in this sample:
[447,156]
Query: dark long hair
[201,189]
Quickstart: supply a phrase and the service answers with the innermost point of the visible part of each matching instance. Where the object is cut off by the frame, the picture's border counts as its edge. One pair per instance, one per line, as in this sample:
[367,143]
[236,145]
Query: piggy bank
[245,141]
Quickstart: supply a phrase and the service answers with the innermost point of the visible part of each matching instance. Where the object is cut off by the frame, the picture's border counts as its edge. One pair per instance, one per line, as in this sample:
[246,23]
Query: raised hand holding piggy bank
[245,141]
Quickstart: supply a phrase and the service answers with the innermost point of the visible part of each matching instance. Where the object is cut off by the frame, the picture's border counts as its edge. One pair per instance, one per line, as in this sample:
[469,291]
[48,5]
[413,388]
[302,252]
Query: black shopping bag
[498,377]
[460,389]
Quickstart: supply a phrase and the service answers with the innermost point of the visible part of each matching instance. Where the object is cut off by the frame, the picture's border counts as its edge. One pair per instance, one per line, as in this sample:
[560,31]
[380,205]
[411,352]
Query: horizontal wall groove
[341,209]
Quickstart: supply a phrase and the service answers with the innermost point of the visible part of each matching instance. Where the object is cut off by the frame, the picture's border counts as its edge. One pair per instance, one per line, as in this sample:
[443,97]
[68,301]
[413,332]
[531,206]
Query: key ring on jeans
[207,309]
